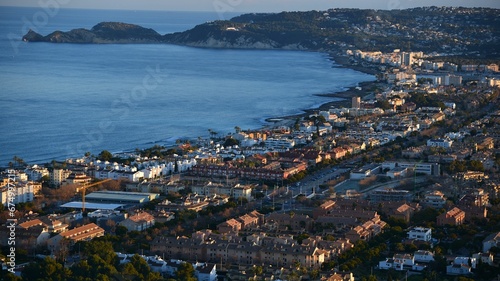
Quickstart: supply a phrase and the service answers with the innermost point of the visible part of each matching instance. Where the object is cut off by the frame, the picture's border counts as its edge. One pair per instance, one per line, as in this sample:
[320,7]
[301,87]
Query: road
[311,183]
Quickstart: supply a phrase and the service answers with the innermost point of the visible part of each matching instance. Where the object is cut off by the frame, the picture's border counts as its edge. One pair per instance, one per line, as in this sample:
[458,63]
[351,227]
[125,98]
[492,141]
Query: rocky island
[104,32]
[466,31]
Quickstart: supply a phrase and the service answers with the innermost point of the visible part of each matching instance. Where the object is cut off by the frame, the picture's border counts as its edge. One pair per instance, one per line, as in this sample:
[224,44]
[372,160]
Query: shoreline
[341,98]
[345,95]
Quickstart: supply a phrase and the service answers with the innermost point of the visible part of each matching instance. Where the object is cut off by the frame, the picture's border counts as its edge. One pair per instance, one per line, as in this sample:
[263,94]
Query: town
[398,181]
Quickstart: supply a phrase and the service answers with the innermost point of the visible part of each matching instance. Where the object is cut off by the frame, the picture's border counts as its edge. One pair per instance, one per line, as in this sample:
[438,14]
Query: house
[423,256]
[323,209]
[366,230]
[67,218]
[205,271]
[458,269]
[242,191]
[83,233]
[312,157]
[54,225]
[466,260]
[475,197]
[461,266]
[485,258]
[492,240]
[251,220]
[444,143]
[485,144]
[338,276]
[358,233]
[454,216]
[29,238]
[30,223]
[202,271]
[434,199]
[291,221]
[401,262]
[398,262]
[338,153]
[78,178]
[139,221]
[404,212]
[471,175]
[35,173]
[420,234]
[38,231]
[229,226]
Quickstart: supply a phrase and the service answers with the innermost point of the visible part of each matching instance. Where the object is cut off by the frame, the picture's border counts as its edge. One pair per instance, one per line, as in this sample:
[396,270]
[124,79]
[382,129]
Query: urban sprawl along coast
[398,180]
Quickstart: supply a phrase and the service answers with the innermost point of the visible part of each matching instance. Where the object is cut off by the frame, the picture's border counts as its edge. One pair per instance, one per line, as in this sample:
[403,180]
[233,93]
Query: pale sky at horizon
[248,5]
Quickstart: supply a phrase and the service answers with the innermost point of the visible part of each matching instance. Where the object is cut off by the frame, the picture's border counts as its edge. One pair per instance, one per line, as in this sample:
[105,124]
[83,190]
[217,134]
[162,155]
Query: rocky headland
[468,31]
[102,33]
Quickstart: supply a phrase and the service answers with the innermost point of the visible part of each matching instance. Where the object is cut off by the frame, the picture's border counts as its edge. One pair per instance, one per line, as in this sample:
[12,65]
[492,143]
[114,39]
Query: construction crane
[87,186]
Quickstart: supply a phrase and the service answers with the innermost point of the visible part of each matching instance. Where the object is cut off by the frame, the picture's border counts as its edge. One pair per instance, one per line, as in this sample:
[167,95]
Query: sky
[248,5]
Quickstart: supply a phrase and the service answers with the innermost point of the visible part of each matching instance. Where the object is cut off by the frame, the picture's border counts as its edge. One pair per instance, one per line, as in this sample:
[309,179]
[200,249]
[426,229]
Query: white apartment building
[420,233]
[242,191]
[444,143]
[236,191]
[434,199]
[58,176]
[423,256]
[23,192]
[275,143]
[36,173]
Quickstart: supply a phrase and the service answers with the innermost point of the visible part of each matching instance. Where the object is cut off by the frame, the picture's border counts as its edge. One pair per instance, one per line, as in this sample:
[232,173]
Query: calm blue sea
[61,100]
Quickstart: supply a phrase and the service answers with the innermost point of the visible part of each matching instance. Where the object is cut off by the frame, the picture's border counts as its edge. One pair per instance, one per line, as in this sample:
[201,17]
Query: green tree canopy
[47,269]
[185,272]
[142,269]
[95,268]
[231,142]
[105,155]
[103,249]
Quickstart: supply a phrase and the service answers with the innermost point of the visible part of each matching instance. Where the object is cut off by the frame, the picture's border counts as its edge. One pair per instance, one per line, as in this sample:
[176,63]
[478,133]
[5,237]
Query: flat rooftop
[91,206]
[120,197]
[366,168]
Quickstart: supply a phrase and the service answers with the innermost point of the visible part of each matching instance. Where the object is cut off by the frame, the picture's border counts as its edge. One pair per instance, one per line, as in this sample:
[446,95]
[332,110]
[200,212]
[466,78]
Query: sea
[62,100]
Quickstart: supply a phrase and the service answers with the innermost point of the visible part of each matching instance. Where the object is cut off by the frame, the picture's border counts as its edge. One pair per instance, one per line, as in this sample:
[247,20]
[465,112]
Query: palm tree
[213,133]
[18,160]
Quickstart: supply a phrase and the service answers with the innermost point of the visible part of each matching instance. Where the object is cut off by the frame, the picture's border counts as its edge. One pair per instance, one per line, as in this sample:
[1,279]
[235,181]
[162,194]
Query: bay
[62,100]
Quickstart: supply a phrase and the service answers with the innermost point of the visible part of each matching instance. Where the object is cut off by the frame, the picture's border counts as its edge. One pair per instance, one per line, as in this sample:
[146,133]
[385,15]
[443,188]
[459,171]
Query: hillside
[459,31]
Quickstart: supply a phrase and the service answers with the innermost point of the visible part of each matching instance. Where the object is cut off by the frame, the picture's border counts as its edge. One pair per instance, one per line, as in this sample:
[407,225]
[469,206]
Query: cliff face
[224,35]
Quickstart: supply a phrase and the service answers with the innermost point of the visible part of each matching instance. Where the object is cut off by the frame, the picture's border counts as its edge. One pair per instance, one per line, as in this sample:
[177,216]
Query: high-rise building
[406,58]
[57,176]
[356,102]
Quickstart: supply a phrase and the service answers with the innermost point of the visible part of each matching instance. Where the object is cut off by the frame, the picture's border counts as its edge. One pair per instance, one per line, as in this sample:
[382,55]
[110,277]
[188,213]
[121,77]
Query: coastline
[341,98]
[344,96]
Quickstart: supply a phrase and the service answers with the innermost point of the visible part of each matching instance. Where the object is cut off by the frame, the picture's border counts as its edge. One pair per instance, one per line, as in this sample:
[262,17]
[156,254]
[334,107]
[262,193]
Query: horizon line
[241,12]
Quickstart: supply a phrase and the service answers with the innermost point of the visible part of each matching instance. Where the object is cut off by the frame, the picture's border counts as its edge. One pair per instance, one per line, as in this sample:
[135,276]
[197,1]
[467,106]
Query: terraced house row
[255,250]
